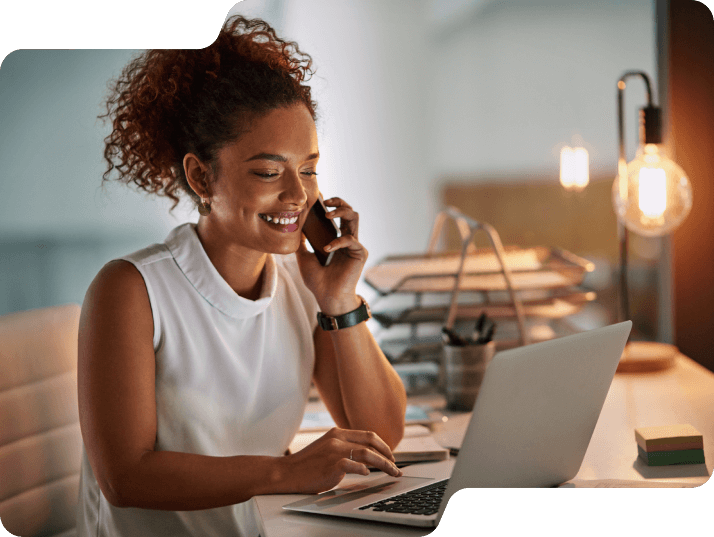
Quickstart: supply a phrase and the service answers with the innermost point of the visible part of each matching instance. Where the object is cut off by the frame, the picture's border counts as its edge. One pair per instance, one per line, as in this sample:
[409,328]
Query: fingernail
[328,248]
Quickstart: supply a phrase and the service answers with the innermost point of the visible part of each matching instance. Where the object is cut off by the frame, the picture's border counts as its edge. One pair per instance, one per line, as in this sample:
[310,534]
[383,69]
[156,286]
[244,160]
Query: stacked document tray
[532,268]
[546,282]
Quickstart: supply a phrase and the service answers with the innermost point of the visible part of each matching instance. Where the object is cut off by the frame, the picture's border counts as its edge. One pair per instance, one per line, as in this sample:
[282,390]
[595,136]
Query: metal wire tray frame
[555,268]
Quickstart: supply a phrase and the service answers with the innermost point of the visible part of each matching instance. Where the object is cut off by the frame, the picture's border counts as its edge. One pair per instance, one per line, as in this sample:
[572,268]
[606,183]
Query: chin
[288,247]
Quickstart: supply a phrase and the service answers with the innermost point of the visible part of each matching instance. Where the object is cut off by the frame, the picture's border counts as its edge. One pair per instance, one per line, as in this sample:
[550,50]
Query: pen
[483,332]
[449,337]
[487,334]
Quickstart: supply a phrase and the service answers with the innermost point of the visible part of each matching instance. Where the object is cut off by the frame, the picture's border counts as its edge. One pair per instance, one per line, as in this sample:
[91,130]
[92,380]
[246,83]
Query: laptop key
[422,501]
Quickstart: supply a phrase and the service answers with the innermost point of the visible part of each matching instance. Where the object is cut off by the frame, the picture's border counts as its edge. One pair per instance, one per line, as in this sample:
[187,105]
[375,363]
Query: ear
[196,175]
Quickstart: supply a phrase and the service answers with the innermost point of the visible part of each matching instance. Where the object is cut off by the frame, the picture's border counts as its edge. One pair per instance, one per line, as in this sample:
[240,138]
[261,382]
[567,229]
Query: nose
[293,190]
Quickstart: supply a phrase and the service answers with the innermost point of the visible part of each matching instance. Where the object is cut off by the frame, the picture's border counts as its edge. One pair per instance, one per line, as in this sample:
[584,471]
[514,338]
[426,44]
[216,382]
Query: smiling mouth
[280,219]
[286,222]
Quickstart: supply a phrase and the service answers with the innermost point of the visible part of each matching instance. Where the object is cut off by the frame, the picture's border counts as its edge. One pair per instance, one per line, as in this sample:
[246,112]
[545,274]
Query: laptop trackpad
[369,491]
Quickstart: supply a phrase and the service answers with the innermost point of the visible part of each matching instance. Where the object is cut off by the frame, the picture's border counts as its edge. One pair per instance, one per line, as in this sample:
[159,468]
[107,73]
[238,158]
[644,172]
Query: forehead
[288,131]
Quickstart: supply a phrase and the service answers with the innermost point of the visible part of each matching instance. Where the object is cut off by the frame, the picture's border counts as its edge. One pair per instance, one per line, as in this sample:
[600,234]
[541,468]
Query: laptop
[532,422]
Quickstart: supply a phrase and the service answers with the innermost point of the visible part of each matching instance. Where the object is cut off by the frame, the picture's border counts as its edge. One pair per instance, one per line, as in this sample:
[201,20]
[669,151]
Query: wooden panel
[691,116]
[539,213]
[530,211]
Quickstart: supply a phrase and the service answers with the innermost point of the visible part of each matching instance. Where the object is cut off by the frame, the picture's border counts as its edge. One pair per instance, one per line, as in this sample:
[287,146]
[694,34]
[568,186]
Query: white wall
[516,79]
[409,91]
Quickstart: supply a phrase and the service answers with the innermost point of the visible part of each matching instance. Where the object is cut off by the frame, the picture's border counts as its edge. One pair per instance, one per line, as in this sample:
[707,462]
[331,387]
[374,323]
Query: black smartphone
[320,231]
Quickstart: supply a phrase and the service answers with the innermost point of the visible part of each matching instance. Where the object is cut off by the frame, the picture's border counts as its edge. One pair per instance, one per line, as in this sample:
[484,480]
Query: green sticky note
[663,458]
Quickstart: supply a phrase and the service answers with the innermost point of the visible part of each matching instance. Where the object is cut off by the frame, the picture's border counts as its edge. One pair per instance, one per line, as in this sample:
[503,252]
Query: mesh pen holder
[461,372]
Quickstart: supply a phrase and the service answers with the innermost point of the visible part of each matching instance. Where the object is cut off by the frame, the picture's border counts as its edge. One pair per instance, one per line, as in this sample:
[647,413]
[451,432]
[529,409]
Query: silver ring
[351,450]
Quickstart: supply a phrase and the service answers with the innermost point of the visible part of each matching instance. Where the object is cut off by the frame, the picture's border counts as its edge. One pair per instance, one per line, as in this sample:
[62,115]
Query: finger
[337,202]
[345,213]
[353,467]
[347,242]
[368,438]
[303,247]
[303,254]
[371,458]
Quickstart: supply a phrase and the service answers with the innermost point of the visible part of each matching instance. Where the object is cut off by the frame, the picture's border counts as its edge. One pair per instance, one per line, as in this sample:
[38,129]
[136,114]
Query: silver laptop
[532,422]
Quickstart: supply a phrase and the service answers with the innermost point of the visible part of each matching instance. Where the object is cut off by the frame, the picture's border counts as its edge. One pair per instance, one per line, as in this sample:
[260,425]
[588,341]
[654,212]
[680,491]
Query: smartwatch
[345,320]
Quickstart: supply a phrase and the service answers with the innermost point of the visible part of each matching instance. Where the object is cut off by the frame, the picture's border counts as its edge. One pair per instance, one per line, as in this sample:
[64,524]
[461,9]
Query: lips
[281,218]
[285,221]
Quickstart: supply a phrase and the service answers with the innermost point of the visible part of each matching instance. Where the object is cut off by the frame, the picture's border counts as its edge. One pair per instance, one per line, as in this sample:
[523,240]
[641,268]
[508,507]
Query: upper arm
[116,373]
[326,379]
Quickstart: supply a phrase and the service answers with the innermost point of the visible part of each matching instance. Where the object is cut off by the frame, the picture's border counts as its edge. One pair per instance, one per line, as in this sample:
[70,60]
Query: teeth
[278,220]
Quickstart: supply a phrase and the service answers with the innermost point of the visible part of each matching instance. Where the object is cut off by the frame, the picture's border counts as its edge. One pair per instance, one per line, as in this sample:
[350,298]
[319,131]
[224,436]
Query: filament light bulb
[652,195]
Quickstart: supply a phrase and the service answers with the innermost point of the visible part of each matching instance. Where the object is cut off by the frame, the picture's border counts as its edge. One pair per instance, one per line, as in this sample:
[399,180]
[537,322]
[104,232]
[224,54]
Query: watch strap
[351,318]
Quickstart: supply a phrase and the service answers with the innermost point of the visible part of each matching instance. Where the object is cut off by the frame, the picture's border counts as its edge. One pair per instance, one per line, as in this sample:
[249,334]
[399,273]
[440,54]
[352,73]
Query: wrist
[339,306]
[276,475]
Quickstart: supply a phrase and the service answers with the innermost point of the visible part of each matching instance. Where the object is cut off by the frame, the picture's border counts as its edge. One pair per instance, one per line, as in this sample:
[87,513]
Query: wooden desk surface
[682,394]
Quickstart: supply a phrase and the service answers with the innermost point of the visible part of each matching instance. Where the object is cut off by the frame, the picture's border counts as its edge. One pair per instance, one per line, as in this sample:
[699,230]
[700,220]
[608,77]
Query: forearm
[372,393]
[176,481]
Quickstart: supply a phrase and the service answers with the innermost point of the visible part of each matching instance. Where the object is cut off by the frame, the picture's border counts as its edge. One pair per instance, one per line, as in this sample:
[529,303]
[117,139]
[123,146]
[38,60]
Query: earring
[204,208]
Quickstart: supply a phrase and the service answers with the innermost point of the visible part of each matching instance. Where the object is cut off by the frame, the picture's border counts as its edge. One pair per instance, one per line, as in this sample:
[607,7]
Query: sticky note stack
[670,444]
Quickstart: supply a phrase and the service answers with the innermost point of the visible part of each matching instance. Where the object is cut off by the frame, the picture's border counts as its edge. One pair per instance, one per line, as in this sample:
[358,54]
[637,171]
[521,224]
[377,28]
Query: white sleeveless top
[232,378]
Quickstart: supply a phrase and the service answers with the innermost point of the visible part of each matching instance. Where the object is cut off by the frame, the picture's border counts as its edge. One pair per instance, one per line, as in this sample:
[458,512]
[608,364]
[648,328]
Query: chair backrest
[40,440]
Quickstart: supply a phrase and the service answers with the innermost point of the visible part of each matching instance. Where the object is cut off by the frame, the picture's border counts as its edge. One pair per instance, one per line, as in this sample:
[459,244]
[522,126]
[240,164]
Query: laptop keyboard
[421,501]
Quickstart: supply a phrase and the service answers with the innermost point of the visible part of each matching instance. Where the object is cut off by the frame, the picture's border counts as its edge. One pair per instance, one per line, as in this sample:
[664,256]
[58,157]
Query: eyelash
[269,175]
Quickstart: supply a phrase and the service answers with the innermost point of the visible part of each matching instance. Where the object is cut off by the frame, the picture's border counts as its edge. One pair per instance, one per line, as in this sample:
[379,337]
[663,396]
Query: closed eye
[270,175]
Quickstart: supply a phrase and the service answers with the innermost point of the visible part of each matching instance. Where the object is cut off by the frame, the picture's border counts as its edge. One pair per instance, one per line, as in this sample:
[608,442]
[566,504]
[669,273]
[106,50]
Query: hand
[322,465]
[334,286]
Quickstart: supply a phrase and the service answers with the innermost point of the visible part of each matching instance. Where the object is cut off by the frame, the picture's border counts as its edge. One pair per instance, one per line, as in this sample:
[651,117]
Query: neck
[240,267]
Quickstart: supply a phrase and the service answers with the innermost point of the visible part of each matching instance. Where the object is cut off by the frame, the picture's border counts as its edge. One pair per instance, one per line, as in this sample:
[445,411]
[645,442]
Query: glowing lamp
[651,196]
[574,174]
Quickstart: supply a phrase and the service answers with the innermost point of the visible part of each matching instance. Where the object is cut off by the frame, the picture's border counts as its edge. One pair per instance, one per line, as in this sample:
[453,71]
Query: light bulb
[574,174]
[652,195]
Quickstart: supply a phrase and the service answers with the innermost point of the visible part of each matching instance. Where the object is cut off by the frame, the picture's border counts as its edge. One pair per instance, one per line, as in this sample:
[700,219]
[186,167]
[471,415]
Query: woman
[196,355]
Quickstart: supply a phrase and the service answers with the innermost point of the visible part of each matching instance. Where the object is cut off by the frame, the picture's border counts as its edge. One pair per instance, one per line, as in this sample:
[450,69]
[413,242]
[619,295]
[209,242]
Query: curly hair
[167,103]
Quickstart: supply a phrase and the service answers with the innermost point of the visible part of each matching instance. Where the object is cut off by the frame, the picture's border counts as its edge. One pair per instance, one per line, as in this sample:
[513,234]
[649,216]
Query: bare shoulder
[117,301]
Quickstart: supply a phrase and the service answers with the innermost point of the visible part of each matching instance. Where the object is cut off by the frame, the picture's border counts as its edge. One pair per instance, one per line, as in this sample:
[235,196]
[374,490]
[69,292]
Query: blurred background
[422,104]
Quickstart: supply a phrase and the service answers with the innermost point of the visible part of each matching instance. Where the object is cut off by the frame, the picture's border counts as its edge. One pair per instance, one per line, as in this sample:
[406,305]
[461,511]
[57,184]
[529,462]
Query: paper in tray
[533,268]
[561,304]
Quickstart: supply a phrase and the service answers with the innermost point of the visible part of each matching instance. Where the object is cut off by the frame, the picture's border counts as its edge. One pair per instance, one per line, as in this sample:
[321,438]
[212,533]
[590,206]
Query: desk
[681,394]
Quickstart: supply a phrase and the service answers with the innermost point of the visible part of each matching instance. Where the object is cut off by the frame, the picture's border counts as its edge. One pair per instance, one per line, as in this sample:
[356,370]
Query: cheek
[312,192]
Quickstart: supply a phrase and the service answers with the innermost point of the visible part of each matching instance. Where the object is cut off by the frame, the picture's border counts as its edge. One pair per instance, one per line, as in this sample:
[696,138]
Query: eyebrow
[278,158]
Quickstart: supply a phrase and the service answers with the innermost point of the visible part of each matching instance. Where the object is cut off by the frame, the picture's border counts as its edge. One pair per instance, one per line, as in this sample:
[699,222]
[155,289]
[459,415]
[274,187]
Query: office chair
[40,440]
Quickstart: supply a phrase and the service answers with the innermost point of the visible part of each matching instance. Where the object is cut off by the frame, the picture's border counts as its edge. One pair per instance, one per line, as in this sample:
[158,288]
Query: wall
[409,91]
[514,80]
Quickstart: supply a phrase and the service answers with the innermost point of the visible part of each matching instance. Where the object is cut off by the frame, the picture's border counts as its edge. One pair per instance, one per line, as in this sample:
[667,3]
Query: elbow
[393,442]
[397,435]
[113,493]
[118,490]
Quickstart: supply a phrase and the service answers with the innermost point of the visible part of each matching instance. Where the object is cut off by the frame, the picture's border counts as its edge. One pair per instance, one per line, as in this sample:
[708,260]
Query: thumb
[302,253]
[302,249]
[306,260]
